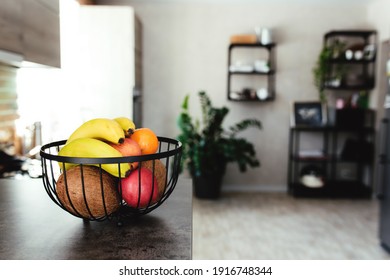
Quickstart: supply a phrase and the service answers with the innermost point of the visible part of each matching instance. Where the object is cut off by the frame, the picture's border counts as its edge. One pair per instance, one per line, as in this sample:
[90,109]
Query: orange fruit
[146,139]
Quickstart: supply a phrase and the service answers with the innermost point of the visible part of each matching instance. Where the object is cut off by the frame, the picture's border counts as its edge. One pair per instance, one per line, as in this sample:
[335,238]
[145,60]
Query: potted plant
[208,147]
[322,72]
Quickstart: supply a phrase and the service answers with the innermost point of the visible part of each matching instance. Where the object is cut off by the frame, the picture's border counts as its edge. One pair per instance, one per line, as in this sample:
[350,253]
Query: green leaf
[245,124]
[208,150]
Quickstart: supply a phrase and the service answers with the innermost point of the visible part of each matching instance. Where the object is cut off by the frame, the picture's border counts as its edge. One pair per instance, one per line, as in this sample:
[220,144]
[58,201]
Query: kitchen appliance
[383,174]
[104,65]
[384,182]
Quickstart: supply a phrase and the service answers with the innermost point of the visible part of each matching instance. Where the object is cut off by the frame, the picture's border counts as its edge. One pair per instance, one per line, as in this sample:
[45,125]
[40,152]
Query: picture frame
[308,114]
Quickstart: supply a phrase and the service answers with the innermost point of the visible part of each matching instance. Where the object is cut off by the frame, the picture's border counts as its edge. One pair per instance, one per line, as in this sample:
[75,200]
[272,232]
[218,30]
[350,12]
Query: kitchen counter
[32,226]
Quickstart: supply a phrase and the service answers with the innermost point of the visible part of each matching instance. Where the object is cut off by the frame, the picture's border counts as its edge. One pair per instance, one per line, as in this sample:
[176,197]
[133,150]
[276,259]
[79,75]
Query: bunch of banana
[93,148]
[127,125]
[90,140]
[100,128]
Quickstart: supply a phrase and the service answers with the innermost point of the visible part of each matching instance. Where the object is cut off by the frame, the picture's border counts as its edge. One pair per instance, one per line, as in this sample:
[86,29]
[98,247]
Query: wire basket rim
[106,160]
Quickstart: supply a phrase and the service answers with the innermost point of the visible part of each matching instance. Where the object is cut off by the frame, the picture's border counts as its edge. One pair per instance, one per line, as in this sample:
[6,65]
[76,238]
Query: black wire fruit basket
[87,191]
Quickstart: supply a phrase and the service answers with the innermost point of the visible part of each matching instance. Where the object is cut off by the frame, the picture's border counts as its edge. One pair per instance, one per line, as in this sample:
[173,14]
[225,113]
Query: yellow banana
[93,148]
[101,129]
[127,125]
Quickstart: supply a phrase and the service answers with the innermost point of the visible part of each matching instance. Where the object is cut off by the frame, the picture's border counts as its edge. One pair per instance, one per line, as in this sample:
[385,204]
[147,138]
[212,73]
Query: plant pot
[207,186]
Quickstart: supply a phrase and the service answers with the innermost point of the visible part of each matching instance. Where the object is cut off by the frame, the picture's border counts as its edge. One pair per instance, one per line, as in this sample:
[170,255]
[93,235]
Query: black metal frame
[333,187]
[368,66]
[318,121]
[270,75]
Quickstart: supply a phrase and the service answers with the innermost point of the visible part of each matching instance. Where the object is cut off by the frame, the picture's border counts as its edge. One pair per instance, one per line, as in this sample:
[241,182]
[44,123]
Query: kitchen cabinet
[41,32]
[31,28]
[338,164]
[253,80]
[11,26]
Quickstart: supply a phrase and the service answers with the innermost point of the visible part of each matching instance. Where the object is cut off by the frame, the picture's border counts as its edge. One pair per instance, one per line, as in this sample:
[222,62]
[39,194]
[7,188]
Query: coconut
[159,172]
[70,192]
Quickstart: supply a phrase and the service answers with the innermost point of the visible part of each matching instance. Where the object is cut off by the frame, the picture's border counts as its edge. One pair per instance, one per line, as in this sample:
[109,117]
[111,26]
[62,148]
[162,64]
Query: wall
[185,50]
[378,13]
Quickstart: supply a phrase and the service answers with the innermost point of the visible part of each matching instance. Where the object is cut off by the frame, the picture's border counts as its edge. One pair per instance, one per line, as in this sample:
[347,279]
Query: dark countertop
[32,226]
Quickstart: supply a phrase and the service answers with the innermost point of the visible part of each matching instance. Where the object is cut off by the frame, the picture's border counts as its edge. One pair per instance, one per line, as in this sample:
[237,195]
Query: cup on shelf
[348,54]
[261,66]
[262,93]
[264,35]
[358,54]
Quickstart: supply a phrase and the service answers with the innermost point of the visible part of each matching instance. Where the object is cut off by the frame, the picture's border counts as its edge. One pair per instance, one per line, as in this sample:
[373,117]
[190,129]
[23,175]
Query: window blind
[8,104]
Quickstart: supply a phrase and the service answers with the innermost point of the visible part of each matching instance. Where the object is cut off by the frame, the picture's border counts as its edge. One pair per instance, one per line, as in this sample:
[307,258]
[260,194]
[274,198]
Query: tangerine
[146,139]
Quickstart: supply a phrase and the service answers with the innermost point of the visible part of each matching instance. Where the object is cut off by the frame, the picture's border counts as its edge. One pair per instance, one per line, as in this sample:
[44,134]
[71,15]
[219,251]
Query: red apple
[140,185]
[129,148]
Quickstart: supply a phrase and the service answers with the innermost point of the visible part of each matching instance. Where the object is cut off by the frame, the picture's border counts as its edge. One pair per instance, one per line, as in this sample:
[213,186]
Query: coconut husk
[160,172]
[70,192]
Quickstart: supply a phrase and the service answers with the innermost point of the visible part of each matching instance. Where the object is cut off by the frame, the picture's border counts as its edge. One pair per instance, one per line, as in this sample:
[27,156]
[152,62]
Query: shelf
[335,156]
[332,189]
[269,99]
[357,74]
[351,88]
[257,45]
[333,129]
[367,85]
[257,79]
[348,145]
[299,190]
[328,159]
[271,72]
[351,61]
[310,156]
[350,33]
[248,99]
[353,161]
[298,157]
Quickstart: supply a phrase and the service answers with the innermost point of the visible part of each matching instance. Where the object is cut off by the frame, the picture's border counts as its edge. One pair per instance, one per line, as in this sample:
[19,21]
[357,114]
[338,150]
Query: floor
[276,226]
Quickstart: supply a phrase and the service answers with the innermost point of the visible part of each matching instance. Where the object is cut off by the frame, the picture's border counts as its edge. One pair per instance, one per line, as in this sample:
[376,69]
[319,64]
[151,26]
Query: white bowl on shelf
[262,93]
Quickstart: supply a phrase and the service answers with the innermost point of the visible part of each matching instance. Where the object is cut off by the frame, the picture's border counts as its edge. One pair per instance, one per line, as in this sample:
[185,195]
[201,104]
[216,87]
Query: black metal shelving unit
[269,75]
[345,72]
[335,186]
[364,68]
